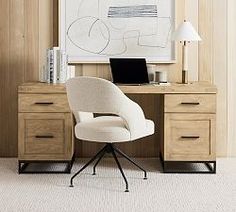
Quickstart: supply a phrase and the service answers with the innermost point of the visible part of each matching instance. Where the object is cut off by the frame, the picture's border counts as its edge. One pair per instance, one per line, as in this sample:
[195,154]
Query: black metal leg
[120,168]
[90,161]
[99,159]
[70,164]
[22,167]
[130,160]
[162,162]
[212,169]
[209,167]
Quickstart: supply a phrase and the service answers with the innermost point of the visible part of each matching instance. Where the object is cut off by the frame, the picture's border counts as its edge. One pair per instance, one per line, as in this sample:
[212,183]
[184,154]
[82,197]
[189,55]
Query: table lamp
[185,34]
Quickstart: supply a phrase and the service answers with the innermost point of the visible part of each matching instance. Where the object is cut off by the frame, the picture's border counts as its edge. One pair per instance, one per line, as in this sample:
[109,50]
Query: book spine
[56,51]
[58,65]
[63,67]
[51,66]
[48,68]
[70,72]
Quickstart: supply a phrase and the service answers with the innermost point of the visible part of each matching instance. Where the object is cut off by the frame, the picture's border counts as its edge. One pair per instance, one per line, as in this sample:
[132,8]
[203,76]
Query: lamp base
[184,77]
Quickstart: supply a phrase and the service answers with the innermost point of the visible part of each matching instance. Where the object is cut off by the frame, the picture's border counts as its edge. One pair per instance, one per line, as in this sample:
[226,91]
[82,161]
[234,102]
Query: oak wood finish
[31,8]
[190,103]
[43,103]
[231,64]
[17,65]
[205,61]
[173,88]
[189,132]
[44,125]
[189,137]
[157,102]
[24,35]
[11,71]
[45,136]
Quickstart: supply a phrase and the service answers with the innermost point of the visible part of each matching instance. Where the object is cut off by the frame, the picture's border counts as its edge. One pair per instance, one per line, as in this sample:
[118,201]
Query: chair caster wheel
[94,174]
[145,178]
[127,190]
[71,186]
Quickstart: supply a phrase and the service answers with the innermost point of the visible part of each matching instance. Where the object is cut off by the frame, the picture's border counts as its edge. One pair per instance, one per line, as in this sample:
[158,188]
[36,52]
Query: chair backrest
[94,95]
[89,95]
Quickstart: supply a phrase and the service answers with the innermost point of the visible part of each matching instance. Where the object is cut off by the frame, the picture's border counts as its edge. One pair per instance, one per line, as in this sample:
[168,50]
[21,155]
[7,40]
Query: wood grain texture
[190,103]
[31,40]
[192,15]
[45,30]
[44,136]
[179,126]
[205,27]
[41,88]
[174,88]
[16,67]
[42,103]
[148,146]
[220,73]
[11,71]
[211,66]
[152,105]
[174,70]
[231,38]
[194,87]
[55,22]
[6,136]
[58,125]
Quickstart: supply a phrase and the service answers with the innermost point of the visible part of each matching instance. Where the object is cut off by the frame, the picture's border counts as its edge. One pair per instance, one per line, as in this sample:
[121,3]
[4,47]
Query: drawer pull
[190,137]
[43,103]
[190,103]
[44,136]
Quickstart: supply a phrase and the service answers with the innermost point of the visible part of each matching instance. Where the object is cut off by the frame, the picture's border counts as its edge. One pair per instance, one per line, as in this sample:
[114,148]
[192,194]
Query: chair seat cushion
[108,129]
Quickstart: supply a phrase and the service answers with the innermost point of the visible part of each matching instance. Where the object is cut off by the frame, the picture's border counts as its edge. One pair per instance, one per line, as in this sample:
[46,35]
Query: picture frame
[90,34]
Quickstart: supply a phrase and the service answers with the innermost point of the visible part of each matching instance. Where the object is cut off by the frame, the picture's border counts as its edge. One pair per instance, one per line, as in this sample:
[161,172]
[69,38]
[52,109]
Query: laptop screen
[129,70]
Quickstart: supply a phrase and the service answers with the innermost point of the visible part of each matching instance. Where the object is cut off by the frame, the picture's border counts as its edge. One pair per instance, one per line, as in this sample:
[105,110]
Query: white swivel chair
[88,95]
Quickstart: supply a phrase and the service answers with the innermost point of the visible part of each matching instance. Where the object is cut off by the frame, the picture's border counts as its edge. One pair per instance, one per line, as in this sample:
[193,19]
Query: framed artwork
[92,31]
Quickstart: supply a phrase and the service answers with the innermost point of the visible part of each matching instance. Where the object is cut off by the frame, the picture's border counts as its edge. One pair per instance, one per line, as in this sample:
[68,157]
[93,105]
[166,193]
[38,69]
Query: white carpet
[105,191]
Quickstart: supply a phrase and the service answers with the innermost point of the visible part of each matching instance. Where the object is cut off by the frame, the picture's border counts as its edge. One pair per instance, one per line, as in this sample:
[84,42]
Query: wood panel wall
[28,27]
[231,85]
[25,32]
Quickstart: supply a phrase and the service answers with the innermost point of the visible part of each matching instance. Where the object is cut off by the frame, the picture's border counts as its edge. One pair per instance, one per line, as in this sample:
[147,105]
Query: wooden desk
[185,122]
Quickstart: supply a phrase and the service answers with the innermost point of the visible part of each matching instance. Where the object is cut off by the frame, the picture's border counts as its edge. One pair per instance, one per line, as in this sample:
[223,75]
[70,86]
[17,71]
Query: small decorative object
[56,68]
[161,77]
[185,34]
[151,72]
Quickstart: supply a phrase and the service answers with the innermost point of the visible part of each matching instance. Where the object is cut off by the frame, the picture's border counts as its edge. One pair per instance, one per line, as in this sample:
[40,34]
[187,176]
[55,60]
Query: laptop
[129,71]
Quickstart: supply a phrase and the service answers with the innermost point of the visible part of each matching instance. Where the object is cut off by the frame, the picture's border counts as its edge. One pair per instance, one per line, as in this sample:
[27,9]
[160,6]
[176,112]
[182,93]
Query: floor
[105,191]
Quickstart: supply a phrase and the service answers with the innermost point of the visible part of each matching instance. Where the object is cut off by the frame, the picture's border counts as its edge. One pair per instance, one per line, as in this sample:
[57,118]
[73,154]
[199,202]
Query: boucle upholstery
[88,95]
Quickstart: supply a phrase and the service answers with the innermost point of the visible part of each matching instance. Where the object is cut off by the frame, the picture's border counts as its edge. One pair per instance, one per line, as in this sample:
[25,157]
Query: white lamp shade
[186,32]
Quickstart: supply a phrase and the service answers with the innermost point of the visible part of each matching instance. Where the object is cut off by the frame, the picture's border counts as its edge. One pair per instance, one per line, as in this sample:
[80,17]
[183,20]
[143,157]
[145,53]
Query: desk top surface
[173,88]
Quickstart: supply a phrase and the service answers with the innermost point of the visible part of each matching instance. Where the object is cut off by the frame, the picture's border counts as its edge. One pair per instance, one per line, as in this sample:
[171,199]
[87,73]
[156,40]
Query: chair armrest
[134,118]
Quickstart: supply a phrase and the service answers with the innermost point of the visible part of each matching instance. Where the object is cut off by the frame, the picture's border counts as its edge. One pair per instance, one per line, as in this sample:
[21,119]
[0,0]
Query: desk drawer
[44,136]
[189,137]
[190,103]
[43,103]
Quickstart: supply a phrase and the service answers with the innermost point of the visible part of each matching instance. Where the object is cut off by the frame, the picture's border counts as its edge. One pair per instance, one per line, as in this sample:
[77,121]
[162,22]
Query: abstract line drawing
[99,29]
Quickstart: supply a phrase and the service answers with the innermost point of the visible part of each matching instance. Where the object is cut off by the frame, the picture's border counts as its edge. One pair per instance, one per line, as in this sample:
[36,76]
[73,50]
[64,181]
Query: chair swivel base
[109,148]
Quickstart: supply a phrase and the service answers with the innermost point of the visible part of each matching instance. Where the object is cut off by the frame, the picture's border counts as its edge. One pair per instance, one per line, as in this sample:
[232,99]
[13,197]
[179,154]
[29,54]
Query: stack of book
[56,69]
